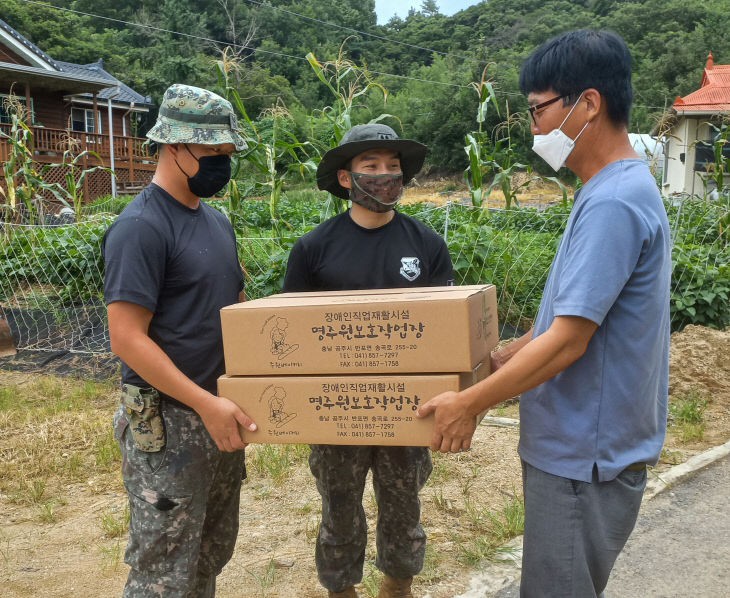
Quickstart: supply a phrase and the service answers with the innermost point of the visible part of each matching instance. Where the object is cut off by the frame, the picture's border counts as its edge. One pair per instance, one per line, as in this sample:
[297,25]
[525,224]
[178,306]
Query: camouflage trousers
[399,473]
[183,505]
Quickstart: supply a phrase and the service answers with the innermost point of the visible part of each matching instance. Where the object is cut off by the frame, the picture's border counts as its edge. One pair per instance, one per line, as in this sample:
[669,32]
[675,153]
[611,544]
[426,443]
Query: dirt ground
[274,554]
[439,190]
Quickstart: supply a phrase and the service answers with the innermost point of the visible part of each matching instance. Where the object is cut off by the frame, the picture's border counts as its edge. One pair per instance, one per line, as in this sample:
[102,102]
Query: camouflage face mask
[376,192]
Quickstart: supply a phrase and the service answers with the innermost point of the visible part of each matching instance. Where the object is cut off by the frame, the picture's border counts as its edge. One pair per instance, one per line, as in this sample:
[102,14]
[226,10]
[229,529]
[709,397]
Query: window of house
[5,113]
[705,151]
[82,119]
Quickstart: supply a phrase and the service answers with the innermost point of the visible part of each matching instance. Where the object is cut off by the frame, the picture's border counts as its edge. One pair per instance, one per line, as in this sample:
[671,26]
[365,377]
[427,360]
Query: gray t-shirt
[613,267]
[181,264]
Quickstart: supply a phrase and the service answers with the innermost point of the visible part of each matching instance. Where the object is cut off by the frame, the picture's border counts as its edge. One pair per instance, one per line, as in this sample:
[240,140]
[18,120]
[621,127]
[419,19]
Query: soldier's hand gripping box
[428,329]
[342,409]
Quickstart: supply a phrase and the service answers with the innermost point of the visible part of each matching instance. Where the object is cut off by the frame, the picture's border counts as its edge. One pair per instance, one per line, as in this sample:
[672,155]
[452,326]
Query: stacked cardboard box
[352,367]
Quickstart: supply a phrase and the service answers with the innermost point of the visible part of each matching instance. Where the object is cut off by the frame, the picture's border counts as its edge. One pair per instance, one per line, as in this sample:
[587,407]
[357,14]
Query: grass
[276,460]
[492,530]
[4,549]
[686,415]
[265,578]
[47,512]
[440,469]
[57,429]
[371,578]
[111,556]
[114,522]
[669,456]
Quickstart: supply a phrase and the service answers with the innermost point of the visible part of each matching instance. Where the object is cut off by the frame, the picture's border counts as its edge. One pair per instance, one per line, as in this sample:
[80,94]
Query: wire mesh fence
[51,276]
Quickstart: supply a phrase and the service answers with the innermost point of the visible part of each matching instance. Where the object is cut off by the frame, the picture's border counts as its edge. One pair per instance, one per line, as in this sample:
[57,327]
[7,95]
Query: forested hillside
[425,61]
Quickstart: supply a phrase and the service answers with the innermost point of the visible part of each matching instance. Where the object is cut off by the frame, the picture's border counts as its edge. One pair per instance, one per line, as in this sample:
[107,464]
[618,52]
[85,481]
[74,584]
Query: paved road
[681,544]
[680,547]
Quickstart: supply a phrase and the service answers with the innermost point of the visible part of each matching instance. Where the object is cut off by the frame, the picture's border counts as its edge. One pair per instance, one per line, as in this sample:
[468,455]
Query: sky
[387,8]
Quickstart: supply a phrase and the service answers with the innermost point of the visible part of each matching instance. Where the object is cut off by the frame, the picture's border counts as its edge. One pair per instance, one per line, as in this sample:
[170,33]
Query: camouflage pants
[399,473]
[183,506]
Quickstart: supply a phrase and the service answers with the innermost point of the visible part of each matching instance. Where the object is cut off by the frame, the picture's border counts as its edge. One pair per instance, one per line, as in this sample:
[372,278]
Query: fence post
[131,151]
[85,163]
[446,223]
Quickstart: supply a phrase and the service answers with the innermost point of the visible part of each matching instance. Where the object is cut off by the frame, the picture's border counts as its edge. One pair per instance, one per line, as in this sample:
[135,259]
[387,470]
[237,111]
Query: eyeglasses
[545,104]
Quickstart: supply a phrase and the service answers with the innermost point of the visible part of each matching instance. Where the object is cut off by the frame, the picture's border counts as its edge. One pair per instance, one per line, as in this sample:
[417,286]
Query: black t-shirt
[181,264]
[341,255]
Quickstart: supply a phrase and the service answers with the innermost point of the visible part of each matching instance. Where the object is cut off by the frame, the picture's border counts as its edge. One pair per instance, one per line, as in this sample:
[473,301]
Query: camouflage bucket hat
[364,137]
[194,115]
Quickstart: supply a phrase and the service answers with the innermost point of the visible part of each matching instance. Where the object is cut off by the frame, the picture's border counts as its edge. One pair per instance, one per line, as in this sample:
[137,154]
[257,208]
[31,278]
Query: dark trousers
[574,531]
[399,473]
[183,508]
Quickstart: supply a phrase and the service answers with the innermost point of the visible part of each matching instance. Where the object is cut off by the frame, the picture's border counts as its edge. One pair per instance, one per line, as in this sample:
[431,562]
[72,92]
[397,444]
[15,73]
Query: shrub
[107,204]
[66,257]
[700,291]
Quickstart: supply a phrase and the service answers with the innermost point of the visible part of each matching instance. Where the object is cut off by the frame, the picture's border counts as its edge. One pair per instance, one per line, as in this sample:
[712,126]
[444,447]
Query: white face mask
[555,147]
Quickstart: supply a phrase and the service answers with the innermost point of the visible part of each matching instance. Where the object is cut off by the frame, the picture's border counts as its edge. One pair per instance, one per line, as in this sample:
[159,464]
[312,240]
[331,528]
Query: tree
[429,8]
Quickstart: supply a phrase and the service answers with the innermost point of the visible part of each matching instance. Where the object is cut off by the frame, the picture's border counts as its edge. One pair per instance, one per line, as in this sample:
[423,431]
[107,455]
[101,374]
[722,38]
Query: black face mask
[213,174]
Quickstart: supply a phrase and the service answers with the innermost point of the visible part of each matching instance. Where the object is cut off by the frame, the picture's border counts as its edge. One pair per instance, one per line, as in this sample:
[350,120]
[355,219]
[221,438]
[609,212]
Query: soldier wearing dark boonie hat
[171,264]
[370,246]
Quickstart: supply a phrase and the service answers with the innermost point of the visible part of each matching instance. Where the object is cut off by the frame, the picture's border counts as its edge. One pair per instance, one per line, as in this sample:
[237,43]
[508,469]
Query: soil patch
[439,191]
[699,362]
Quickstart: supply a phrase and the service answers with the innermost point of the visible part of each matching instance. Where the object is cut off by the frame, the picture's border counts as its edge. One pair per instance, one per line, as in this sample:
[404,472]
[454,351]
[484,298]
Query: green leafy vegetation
[510,248]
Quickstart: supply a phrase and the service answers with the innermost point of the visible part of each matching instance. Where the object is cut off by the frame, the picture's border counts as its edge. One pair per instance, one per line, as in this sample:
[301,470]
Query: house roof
[77,79]
[26,48]
[713,94]
[52,80]
[119,92]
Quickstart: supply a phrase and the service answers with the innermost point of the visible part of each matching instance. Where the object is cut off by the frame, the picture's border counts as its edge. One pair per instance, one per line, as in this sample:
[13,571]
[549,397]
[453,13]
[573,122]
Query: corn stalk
[348,83]
[265,156]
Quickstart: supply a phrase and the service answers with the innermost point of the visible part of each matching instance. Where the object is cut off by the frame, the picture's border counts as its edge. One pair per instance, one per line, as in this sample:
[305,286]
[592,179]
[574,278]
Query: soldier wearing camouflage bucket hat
[171,265]
[371,246]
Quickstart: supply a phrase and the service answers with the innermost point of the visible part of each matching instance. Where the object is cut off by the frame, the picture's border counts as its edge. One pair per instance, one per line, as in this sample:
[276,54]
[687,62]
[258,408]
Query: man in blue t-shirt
[593,371]
[171,265]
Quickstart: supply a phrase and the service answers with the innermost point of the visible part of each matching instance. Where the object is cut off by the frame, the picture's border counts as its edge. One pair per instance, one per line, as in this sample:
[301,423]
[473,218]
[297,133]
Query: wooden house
[76,106]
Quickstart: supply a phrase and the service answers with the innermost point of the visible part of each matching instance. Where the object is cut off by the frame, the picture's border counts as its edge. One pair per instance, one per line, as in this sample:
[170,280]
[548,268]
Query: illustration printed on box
[279,347]
[275,397]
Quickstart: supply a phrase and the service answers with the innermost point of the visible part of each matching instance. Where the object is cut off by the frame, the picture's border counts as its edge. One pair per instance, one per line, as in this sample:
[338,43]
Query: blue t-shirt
[613,267]
[181,264]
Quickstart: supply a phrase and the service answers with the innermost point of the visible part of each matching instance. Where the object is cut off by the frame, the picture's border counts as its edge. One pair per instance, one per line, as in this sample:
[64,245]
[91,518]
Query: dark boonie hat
[364,137]
[193,115]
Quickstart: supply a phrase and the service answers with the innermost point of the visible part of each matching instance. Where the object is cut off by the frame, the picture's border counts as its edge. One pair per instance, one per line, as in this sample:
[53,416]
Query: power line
[214,41]
[282,54]
[380,37]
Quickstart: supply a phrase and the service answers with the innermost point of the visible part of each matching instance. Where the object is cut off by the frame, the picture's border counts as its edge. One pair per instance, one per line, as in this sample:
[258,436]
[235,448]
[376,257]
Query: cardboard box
[429,329]
[364,409]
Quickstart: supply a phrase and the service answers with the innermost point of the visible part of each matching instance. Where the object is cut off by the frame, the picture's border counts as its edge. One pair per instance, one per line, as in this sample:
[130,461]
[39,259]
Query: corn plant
[348,83]
[267,156]
[70,192]
[23,180]
[477,142]
[494,154]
